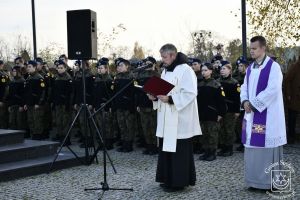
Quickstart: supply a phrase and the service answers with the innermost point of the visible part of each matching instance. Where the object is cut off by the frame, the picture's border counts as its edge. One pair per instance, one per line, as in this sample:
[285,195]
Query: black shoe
[90,143]
[119,143]
[240,148]
[146,151]
[67,143]
[153,150]
[226,151]
[204,156]
[56,138]
[211,155]
[126,147]
[109,144]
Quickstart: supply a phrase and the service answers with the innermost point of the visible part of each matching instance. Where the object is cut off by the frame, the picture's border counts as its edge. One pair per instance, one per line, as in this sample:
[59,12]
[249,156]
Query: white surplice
[179,120]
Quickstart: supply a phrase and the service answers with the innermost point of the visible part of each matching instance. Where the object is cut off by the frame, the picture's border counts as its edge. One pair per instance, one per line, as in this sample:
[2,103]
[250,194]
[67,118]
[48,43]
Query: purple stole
[258,131]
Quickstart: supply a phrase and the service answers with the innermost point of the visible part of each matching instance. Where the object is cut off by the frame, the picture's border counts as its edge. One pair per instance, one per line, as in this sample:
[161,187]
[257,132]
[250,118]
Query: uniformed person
[211,108]
[232,98]
[216,63]
[78,100]
[61,101]
[64,58]
[4,81]
[124,104]
[240,71]
[101,94]
[145,107]
[239,75]
[34,101]
[47,120]
[15,100]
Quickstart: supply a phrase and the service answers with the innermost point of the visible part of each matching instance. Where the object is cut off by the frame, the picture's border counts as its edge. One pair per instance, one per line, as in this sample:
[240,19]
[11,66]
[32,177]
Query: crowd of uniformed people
[42,98]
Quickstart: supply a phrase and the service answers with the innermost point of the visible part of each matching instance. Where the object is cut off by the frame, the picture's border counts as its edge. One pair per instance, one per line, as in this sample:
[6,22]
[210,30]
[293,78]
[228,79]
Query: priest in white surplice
[264,132]
[177,122]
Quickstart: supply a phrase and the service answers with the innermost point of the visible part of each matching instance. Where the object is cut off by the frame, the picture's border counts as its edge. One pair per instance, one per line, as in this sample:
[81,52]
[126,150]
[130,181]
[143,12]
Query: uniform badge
[42,84]
[112,87]
[238,89]
[3,80]
[223,93]
[135,83]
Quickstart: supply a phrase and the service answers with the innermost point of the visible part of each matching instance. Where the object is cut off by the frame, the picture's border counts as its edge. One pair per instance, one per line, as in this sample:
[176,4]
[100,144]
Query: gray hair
[170,48]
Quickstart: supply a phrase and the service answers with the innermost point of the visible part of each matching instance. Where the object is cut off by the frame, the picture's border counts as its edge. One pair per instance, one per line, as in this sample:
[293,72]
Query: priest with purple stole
[263,132]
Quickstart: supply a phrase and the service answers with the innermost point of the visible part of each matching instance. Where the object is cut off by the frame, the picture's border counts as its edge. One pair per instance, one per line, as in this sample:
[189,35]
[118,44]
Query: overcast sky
[150,22]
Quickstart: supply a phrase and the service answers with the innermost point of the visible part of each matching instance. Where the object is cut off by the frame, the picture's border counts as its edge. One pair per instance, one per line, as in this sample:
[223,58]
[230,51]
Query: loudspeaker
[82,34]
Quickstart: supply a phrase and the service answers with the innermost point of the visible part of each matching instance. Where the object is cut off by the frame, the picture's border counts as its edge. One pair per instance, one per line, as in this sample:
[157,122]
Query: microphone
[147,66]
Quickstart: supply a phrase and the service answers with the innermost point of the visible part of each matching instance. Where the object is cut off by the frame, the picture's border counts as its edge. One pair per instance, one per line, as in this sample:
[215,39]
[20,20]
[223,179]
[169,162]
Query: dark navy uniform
[232,98]
[61,100]
[78,99]
[15,102]
[147,114]
[35,96]
[125,108]
[211,104]
[101,94]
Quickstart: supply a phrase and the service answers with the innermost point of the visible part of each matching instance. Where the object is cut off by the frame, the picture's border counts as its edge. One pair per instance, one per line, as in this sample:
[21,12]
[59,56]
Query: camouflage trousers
[210,131]
[148,122]
[17,119]
[47,117]
[238,127]
[3,116]
[87,126]
[104,121]
[35,120]
[62,120]
[227,131]
[125,121]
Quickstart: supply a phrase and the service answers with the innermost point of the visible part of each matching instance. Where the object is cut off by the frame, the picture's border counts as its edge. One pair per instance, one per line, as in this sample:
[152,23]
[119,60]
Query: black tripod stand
[86,112]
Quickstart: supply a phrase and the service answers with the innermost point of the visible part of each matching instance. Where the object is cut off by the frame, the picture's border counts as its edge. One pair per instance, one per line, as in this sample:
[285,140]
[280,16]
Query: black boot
[126,147]
[240,148]
[229,151]
[222,151]
[109,144]
[153,149]
[205,155]
[90,143]
[68,141]
[147,150]
[211,155]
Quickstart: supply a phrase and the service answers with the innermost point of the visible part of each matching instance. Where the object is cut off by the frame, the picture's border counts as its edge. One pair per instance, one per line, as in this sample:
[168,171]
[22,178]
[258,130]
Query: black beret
[32,62]
[208,65]
[150,59]
[39,60]
[17,68]
[224,62]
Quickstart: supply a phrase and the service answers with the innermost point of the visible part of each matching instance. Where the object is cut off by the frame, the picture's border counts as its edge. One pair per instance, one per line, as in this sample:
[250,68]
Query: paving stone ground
[220,179]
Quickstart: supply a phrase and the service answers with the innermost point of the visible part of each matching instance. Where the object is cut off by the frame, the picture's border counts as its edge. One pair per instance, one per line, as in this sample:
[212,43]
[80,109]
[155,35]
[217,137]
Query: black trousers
[177,169]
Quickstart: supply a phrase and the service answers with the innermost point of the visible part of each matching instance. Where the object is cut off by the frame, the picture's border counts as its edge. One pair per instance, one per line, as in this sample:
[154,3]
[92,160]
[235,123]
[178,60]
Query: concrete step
[14,170]
[29,149]
[8,137]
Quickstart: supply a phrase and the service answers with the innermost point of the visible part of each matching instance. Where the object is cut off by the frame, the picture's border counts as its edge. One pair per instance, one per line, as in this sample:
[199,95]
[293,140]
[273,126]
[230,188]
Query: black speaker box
[82,34]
